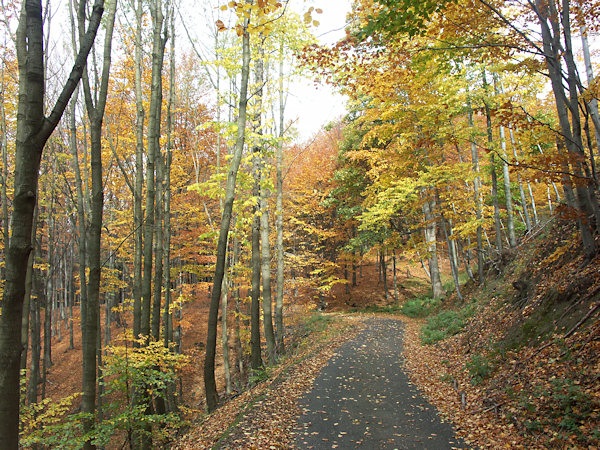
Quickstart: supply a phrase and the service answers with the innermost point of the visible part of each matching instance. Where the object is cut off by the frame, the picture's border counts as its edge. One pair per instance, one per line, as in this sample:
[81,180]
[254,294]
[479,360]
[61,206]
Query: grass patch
[445,324]
[479,368]
[419,307]
[317,322]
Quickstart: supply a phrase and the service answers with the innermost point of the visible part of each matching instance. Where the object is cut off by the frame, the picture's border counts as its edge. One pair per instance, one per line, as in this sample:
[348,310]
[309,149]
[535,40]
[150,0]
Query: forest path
[363,399]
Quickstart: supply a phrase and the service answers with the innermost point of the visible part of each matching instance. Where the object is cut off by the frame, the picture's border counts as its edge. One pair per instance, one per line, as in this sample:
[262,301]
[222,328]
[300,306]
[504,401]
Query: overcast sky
[315,106]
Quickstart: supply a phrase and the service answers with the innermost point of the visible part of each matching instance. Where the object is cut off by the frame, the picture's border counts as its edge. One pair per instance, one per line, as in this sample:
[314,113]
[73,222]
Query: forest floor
[515,364]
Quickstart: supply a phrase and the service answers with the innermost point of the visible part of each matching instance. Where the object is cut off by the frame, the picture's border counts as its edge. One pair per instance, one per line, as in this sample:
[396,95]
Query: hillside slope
[517,362]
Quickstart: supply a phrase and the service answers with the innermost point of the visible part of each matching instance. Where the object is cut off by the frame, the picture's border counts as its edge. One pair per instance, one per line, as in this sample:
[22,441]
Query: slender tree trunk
[256,259]
[266,276]
[212,397]
[47,353]
[36,347]
[255,350]
[27,301]
[510,222]
[224,329]
[95,108]
[430,238]
[497,221]
[81,220]
[71,297]
[384,274]
[593,104]
[158,49]
[138,218]
[158,267]
[279,330]
[395,276]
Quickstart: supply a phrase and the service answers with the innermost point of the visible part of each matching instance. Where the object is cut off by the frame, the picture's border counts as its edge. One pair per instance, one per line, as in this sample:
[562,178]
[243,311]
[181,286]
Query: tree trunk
[510,222]
[36,347]
[158,50]
[257,229]
[279,330]
[158,268]
[395,276]
[28,292]
[477,197]
[138,218]
[593,104]
[430,238]
[255,350]
[224,329]
[212,397]
[384,274]
[95,106]
[266,276]
[33,131]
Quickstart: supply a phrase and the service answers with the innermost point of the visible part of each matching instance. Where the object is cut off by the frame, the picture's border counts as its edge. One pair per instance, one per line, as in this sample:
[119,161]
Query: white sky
[316,106]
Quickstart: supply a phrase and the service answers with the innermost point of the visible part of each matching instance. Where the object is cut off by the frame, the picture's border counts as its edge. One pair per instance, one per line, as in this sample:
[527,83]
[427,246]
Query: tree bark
[158,49]
[476,195]
[36,347]
[212,397]
[266,276]
[279,330]
[593,104]
[138,218]
[570,127]
[95,106]
[430,238]
[255,350]
[33,132]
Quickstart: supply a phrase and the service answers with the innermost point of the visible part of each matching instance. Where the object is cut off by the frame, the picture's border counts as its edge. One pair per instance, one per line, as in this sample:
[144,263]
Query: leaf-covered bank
[523,370]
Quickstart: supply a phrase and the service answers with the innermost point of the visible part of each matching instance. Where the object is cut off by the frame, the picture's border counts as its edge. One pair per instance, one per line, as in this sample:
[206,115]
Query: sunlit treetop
[389,17]
[260,15]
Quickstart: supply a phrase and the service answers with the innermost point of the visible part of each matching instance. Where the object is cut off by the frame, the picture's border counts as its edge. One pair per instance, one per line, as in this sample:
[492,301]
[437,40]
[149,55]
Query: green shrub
[479,368]
[441,326]
[147,371]
[259,375]
[574,404]
[419,307]
[317,322]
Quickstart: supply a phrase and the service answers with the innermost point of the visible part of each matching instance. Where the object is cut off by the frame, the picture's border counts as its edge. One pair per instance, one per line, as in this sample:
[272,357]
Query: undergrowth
[446,323]
[420,307]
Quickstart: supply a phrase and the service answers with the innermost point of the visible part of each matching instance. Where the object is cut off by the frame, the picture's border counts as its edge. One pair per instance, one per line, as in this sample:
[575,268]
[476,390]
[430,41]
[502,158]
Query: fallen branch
[586,317]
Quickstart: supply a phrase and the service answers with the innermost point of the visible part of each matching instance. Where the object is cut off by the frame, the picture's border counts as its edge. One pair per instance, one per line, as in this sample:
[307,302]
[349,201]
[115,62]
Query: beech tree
[95,105]
[34,129]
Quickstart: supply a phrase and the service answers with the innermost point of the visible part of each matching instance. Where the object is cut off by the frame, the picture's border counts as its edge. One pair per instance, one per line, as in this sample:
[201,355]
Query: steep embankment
[517,363]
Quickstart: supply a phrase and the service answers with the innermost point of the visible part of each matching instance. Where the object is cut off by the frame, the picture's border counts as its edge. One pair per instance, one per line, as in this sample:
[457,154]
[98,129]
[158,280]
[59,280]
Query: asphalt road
[363,399]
